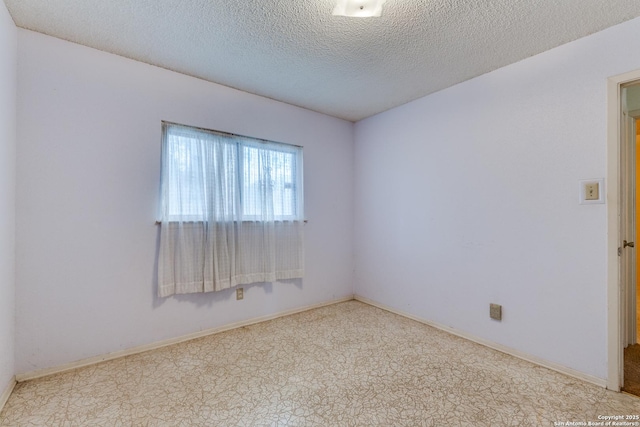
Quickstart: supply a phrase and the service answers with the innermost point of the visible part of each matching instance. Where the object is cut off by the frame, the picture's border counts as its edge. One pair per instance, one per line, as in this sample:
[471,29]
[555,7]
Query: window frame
[297,174]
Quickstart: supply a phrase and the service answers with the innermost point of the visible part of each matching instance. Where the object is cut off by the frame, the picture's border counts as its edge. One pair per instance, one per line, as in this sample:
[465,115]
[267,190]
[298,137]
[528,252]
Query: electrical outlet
[239,293]
[495,311]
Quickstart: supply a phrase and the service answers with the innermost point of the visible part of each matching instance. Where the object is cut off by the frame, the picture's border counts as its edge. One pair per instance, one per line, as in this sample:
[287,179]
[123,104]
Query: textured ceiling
[296,51]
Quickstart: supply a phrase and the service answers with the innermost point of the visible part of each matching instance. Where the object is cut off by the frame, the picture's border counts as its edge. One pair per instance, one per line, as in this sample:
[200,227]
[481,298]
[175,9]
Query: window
[231,211]
[208,173]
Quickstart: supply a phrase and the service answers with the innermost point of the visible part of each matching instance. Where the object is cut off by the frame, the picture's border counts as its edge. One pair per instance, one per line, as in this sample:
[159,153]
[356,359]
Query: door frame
[615,339]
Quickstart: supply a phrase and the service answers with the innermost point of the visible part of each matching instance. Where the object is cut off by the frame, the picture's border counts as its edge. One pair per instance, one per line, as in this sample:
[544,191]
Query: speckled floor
[348,364]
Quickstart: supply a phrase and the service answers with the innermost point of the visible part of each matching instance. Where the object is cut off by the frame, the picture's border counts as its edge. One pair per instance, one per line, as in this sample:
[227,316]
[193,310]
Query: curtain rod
[160,222]
[219,132]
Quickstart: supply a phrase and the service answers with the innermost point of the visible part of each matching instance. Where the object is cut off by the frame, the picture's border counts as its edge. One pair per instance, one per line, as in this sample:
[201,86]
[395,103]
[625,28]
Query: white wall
[87,192]
[8,67]
[470,196]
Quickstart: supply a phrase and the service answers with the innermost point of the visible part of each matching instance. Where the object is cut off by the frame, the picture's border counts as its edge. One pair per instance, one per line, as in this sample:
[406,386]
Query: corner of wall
[8,138]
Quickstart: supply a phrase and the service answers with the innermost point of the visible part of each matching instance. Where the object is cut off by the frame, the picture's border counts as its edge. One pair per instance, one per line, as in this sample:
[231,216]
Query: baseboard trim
[164,343]
[7,392]
[499,347]
[171,341]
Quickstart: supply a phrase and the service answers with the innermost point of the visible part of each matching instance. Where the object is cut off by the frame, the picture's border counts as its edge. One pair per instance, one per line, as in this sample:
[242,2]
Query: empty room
[319,213]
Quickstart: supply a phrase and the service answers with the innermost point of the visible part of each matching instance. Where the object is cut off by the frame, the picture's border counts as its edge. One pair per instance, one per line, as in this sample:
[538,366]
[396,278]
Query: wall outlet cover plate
[495,311]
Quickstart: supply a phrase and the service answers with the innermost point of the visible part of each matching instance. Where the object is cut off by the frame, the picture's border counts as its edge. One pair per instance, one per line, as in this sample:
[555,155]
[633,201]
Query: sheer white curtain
[231,211]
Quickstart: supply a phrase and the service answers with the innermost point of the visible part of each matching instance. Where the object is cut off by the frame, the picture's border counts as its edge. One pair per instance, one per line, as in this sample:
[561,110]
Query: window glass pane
[185,189]
[268,183]
[207,175]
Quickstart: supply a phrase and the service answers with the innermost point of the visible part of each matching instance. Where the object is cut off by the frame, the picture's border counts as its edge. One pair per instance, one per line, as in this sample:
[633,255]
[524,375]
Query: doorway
[621,218]
[624,184]
[636,114]
[630,136]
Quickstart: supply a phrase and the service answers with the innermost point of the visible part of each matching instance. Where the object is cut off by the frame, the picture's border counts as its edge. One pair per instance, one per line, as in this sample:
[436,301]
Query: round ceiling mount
[359,8]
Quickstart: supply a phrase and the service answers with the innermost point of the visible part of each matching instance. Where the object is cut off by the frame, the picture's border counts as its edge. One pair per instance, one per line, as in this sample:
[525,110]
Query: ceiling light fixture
[359,8]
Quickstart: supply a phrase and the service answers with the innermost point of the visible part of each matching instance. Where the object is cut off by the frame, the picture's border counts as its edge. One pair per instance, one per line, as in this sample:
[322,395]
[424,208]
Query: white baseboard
[140,349]
[159,344]
[6,393]
[499,347]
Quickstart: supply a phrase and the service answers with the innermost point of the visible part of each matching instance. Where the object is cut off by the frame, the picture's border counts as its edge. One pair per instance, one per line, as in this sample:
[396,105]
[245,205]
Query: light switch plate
[591,191]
